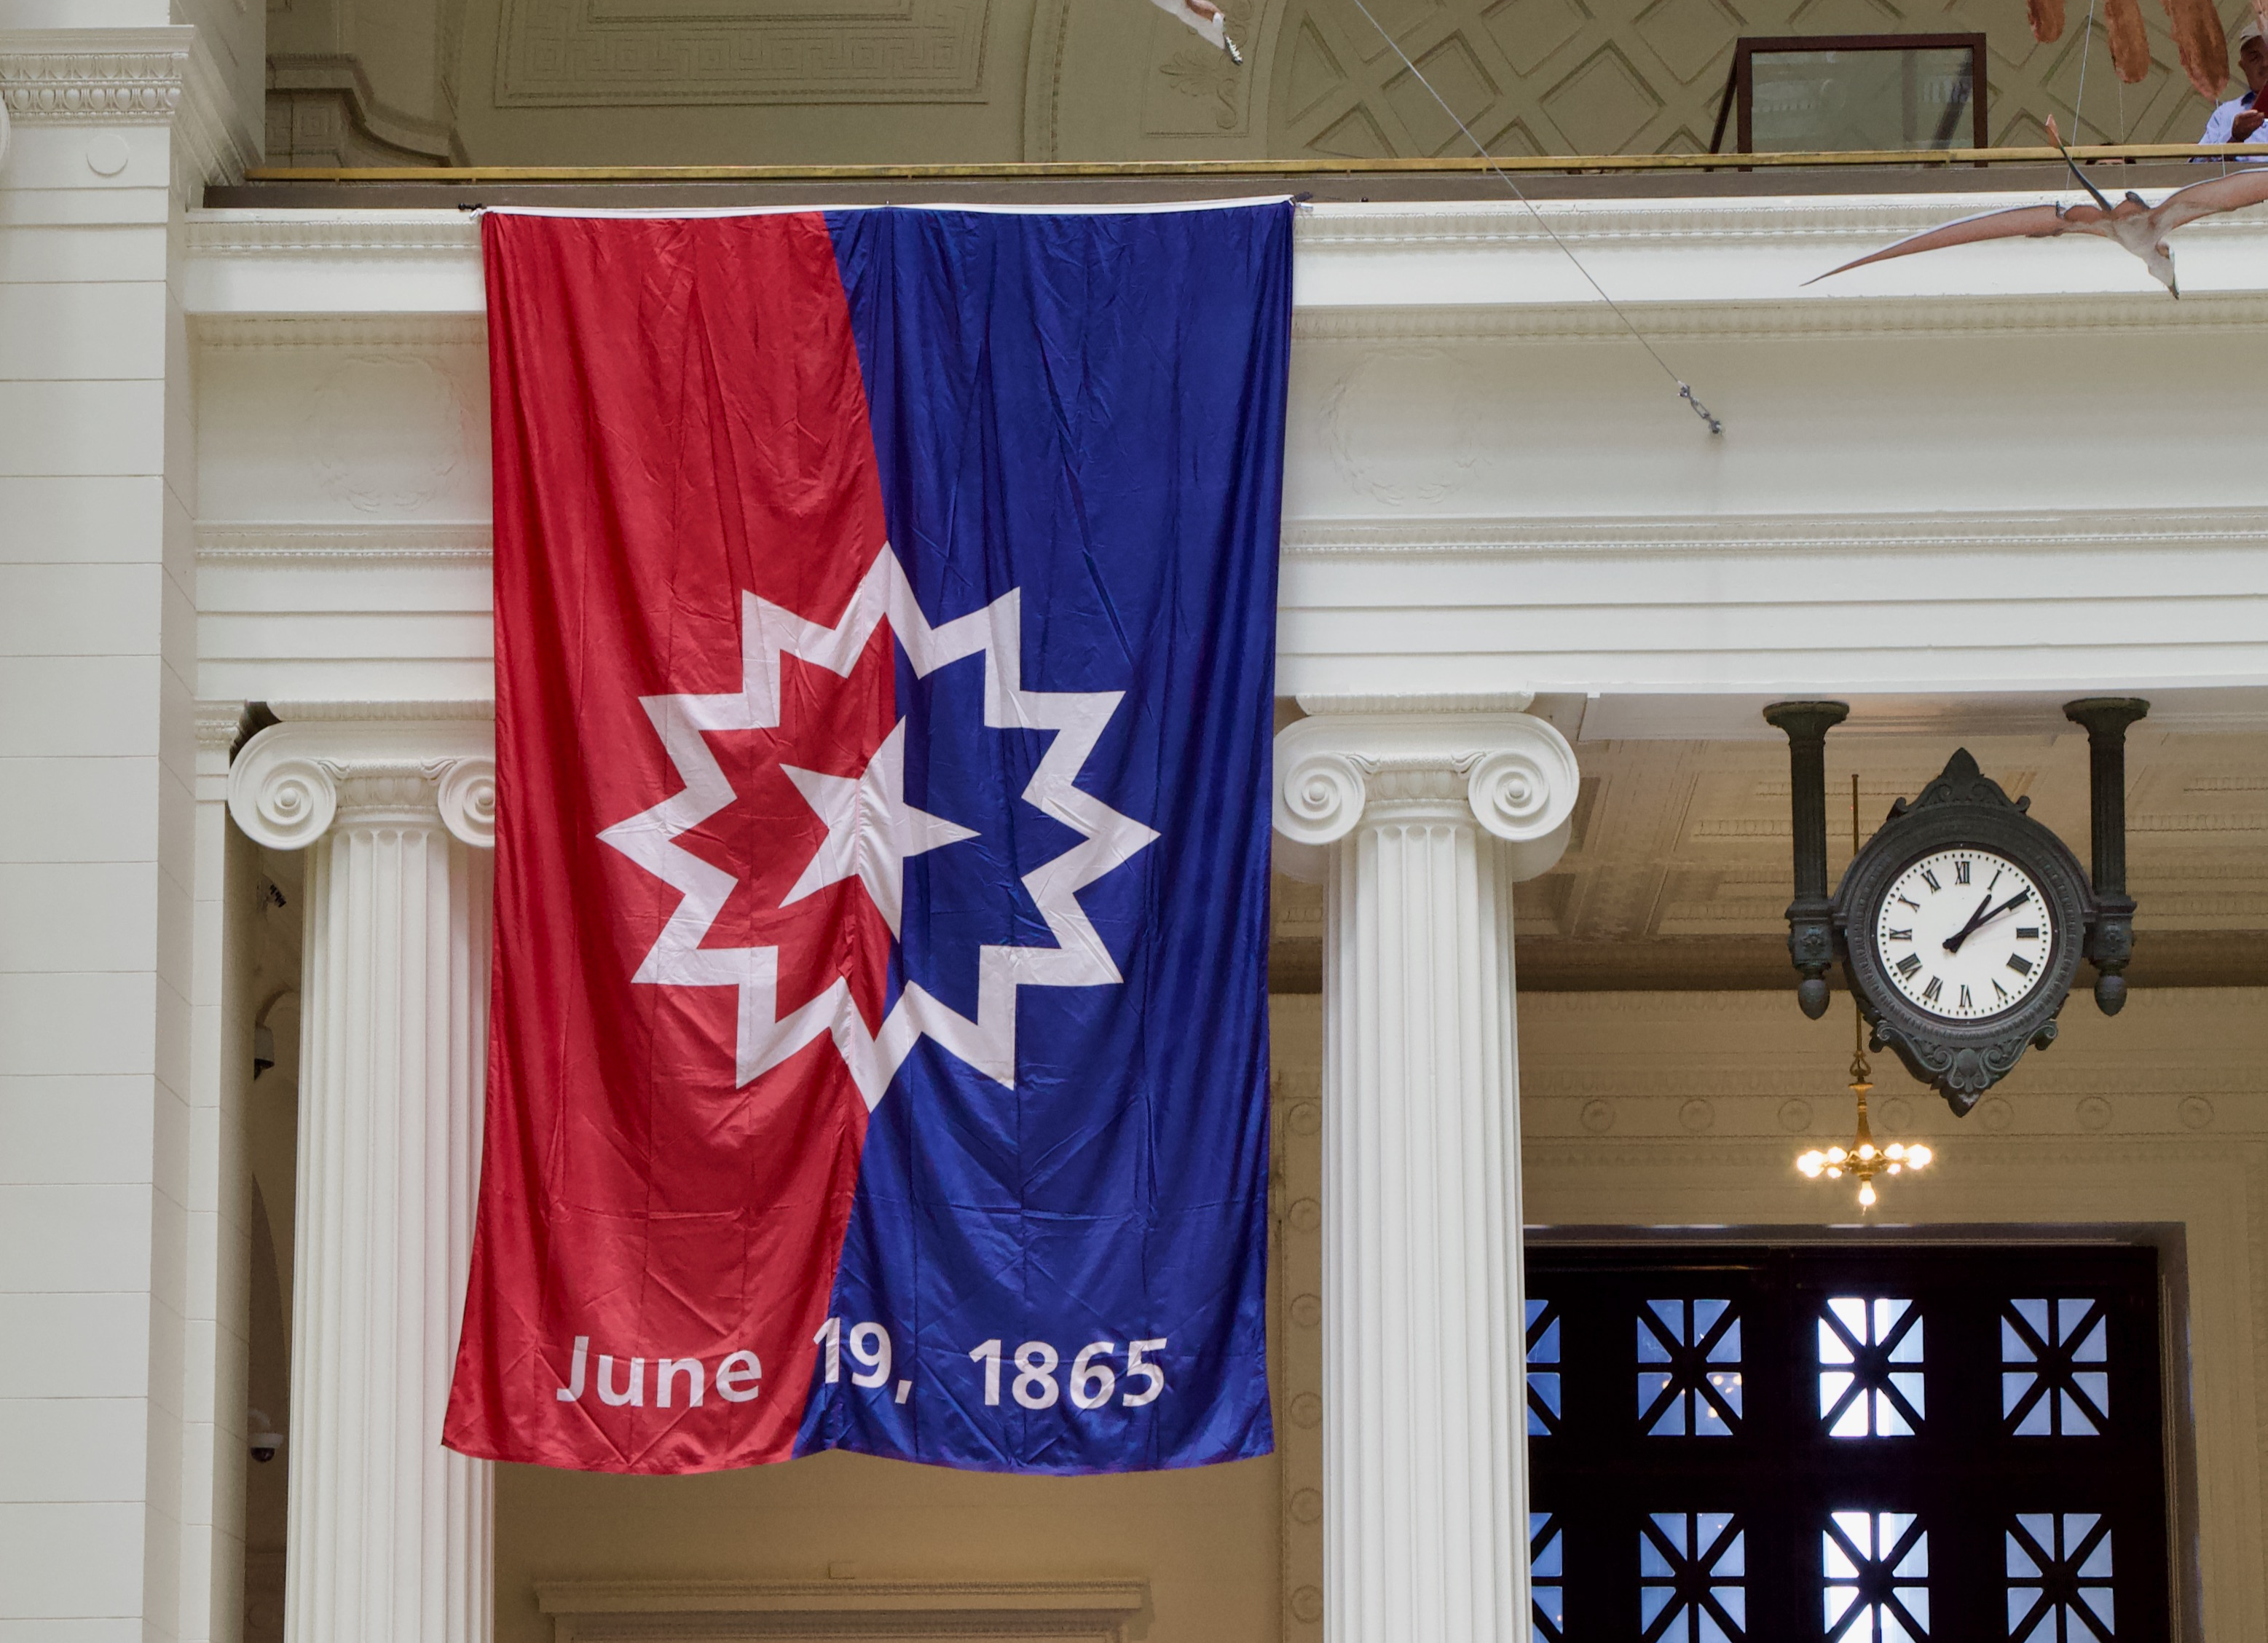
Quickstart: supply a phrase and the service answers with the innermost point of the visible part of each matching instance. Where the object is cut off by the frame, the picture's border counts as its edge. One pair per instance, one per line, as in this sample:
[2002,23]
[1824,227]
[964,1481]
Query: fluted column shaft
[1427,820]
[389,1533]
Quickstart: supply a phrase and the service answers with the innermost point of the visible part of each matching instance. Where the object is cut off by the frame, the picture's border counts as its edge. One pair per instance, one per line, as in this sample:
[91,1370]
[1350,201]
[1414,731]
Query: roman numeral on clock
[1961,871]
[1999,989]
[2027,932]
[1936,986]
[1908,966]
[1899,935]
[1929,878]
[1914,905]
[1964,999]
[2019,963]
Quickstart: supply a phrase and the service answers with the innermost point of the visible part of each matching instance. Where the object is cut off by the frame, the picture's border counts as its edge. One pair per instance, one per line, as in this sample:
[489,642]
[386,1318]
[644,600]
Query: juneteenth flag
[885,609]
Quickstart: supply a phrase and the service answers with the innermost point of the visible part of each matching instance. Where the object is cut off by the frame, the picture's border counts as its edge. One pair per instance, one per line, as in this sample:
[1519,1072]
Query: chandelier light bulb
[1867,1194]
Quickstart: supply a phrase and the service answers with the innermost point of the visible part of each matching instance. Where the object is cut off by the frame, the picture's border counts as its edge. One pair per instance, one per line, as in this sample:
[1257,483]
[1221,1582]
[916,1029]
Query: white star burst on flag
[1108,838]
[871,829]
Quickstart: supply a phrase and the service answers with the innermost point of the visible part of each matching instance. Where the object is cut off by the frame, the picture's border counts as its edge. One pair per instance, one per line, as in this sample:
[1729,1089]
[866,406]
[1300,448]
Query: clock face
[1964,933]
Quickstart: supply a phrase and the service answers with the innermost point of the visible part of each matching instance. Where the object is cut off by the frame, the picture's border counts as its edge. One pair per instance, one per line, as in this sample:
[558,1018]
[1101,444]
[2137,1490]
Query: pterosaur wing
[2025,222]
[2236,190]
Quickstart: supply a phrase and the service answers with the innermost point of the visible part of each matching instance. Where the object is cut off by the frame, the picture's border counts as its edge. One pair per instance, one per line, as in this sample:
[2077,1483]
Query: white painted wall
[113,1227]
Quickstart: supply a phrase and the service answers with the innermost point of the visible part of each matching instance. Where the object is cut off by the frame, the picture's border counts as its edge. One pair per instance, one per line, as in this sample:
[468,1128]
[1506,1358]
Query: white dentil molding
[1381,272]
[1747,317]
[2108,530]
[1341,227]
[260,546]
[291,782]
[416,234]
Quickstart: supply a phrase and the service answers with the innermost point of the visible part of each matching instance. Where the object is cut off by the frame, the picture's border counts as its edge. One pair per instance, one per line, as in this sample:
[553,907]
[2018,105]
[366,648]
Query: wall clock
[1960,924]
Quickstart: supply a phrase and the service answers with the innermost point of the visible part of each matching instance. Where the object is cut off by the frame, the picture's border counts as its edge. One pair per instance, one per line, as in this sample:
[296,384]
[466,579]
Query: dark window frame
[1740,91]
[1965,1473]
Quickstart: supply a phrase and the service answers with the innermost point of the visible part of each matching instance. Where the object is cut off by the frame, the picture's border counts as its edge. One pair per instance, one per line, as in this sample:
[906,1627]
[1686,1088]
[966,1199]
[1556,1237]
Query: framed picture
[1817,93]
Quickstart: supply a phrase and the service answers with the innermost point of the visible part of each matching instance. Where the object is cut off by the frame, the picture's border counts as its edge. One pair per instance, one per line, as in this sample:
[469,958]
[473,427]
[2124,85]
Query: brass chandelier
[1862,1158]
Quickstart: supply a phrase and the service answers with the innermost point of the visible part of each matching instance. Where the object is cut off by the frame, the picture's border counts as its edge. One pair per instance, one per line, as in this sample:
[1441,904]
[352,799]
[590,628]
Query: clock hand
[2017,900]
[1953,943]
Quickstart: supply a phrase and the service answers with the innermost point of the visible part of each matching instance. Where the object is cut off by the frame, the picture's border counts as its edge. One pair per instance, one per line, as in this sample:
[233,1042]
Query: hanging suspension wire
[1684,392]
[2079,103]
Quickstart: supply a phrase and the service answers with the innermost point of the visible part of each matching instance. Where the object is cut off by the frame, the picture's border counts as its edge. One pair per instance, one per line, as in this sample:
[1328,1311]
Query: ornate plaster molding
[419,234]
[293,780]
[478,710]
[111,77]
[1809,219]
[162,76]
[619,1611]
[1511,773]
[1806,534]
[1811,317]
[219,722]
[1466,702]
[255,547]
[419,331]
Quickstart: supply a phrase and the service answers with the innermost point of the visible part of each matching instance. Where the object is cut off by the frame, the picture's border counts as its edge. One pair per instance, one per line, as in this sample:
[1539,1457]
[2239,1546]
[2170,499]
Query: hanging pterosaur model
[2133,225]
[1205,17]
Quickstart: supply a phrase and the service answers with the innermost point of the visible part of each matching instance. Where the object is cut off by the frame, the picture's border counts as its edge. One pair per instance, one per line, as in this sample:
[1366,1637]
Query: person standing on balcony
[2244,119]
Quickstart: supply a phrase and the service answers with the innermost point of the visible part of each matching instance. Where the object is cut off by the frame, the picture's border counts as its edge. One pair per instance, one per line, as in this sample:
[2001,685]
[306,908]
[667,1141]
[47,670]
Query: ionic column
[1421,813]
[388,1536]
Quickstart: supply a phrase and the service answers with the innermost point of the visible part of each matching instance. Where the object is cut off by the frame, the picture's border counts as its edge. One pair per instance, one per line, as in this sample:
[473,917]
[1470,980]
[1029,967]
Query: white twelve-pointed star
[1076,954]
[872,830]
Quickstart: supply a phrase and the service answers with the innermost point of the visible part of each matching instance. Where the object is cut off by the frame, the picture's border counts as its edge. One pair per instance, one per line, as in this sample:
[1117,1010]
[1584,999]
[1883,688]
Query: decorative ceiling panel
[1597,76]
[1678,873]
[594,53]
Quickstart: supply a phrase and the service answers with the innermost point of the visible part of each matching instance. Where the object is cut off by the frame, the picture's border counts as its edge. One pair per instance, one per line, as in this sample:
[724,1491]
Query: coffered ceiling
[1678,873]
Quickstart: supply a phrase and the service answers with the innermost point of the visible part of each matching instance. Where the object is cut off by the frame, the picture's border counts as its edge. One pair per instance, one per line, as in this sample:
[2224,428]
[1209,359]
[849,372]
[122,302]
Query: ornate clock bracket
[2109,913]
[1811,915]
[2110,939]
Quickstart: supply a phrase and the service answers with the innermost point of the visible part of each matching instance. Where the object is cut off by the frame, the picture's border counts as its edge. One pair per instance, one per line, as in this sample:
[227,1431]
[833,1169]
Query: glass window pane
[1908,1350]
[1727,1349]
[1543,1389]
[1909,1387]
[1825,100]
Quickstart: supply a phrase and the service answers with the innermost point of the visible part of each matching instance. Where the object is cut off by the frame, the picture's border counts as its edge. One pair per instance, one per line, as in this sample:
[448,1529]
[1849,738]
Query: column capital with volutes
[1470,759]
[422,762]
